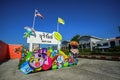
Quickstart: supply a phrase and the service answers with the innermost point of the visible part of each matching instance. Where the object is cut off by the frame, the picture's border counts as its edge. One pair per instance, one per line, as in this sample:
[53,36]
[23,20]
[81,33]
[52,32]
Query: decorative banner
[58,36]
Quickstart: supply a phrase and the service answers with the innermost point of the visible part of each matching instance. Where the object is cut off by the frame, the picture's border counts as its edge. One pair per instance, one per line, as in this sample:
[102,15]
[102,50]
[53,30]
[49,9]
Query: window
[99,45]
[112,43]
[105,44]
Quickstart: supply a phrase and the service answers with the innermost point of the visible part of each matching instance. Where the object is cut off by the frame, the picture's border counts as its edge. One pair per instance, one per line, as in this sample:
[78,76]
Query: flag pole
[58,31]
[57,27]
[34,19]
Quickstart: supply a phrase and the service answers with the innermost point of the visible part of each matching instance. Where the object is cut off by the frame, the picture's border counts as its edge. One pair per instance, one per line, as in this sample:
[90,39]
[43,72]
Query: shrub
[115,49]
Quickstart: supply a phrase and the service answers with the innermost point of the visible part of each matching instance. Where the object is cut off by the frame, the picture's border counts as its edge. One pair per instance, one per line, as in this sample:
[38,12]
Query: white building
[92,42]
[107,43]
[87,41]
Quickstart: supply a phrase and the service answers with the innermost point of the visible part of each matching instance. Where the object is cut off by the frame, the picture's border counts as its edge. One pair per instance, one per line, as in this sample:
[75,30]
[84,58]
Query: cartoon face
[60,59]
[74,51]
[36,60]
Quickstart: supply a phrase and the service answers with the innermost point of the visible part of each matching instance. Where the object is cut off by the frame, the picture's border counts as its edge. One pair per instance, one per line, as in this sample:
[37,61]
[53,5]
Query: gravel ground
[87,69]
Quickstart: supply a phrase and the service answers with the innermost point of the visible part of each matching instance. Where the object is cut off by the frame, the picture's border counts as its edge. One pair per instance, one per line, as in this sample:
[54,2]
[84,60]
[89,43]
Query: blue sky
[99,18]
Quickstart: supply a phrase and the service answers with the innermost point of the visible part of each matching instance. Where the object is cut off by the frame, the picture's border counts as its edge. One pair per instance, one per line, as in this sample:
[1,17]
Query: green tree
[76,38]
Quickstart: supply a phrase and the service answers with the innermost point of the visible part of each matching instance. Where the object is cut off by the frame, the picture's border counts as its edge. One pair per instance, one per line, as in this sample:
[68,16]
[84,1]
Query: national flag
[60,20]
[38,14]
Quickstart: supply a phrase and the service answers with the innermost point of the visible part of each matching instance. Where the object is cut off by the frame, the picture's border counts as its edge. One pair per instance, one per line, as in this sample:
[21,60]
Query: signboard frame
[42,38]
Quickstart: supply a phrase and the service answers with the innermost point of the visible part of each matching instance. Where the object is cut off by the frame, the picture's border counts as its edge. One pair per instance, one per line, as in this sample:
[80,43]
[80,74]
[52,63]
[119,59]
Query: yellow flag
[60,20]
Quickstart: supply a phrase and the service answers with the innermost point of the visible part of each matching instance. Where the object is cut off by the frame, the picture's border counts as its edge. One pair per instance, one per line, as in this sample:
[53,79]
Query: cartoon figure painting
[73,48]
[40,60]
[43,59]
[36,61]
[60,61]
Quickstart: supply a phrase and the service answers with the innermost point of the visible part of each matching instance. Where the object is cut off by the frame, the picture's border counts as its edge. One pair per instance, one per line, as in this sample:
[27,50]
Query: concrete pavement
[87,69]
[103,57]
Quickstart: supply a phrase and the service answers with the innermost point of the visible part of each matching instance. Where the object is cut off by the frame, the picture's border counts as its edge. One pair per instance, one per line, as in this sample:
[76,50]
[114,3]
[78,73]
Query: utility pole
[119,28]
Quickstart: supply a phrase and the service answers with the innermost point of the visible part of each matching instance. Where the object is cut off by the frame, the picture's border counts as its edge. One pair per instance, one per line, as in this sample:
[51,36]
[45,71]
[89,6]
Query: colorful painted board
[25,68]
[58,36]
[28,56]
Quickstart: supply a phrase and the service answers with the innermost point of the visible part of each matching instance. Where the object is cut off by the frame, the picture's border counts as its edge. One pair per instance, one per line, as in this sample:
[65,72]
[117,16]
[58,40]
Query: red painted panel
[3,51]
[15,51]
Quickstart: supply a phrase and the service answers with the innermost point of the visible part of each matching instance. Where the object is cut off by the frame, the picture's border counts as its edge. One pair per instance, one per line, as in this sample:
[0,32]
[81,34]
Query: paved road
[87,69]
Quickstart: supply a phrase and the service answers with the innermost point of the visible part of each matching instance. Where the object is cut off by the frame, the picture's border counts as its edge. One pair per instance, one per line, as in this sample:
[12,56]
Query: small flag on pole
[60,20]
[38,14]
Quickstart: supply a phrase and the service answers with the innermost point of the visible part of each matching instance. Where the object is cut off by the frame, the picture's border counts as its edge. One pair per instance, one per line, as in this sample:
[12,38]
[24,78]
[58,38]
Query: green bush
[84,51]
[66,51]
[115,49]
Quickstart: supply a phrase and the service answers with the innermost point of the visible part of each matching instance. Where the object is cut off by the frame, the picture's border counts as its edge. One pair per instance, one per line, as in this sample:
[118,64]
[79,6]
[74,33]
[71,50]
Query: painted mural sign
[46,58]
[42,38]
